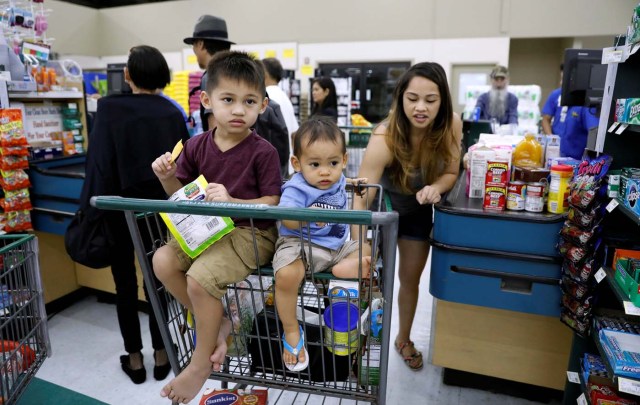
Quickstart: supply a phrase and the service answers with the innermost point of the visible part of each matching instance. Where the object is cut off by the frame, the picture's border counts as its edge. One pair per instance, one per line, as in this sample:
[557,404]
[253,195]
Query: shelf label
[621,128]
[600,275]
[573,377]
[612,127]
[630,309]
[612,205]
[582,400]
[629,386]
[612,55]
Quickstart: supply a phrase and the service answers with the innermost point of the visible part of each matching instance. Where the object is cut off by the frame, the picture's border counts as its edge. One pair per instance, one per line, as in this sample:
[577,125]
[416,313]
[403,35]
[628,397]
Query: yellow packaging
[559,179]
[528,153]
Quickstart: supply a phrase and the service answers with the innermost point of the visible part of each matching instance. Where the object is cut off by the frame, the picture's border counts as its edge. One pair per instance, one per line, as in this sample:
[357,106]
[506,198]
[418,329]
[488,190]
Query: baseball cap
[499,71]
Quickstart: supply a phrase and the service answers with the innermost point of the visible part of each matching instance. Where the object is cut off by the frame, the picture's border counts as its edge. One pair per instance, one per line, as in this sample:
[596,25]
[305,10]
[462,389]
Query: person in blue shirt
[498,103]
[572,124]
[319,157]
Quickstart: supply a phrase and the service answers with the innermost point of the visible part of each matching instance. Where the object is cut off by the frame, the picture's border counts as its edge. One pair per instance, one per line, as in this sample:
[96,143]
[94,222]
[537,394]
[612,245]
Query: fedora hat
[211,28]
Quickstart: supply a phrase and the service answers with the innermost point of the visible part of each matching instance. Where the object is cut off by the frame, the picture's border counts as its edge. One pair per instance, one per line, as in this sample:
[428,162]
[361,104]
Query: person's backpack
[88,239]
[272,127]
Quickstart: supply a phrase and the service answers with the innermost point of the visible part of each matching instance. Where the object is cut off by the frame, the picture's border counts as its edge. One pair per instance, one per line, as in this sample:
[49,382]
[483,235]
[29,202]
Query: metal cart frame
[257,357]
[24,336]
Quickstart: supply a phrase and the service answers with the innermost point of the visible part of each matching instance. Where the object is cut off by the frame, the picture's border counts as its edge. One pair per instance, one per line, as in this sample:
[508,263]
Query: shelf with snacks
[624,384]
[47,95]
[620,294]
[618,204]
[584,396]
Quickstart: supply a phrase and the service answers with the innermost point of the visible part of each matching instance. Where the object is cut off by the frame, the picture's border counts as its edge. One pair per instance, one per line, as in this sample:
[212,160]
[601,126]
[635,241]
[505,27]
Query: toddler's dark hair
[317,129]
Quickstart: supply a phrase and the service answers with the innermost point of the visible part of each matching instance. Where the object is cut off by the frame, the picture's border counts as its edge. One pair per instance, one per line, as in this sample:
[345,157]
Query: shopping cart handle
[234,210]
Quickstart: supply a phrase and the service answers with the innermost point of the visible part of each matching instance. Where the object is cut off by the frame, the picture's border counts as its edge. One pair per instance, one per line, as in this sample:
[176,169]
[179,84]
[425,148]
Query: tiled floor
[86,348]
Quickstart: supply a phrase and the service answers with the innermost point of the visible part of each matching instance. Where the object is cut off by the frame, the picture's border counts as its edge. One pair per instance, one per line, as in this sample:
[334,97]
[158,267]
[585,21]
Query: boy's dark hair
[147,68]
[318,129]
[273,68]
[235,65]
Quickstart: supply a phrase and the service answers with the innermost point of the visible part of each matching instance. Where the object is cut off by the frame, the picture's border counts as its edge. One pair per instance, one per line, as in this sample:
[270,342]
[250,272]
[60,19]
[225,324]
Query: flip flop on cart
[296,352]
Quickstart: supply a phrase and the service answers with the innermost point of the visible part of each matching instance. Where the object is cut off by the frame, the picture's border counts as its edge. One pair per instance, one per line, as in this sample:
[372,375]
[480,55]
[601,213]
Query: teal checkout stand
[495,280]
[55,191]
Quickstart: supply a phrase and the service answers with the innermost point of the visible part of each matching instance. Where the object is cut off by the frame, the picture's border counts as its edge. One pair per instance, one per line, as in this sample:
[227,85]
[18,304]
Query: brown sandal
[414,360]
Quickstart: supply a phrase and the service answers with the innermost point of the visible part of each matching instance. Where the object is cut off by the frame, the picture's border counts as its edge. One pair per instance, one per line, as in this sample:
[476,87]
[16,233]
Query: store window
[372,85]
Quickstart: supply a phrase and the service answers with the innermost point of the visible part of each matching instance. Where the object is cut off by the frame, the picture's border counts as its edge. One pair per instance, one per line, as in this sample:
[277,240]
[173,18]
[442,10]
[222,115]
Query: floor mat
[41,392]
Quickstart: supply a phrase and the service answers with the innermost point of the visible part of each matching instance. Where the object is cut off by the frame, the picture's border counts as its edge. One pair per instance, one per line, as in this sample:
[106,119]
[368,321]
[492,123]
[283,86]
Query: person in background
[498,104]
[320,156]
[415,155]
[325,99]
[572,124]
[129,132]
[241,167]
[273,76]
[209,37]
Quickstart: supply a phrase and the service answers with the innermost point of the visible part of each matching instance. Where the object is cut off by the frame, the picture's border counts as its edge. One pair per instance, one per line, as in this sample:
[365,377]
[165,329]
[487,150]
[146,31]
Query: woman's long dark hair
[435,151]
[331,101]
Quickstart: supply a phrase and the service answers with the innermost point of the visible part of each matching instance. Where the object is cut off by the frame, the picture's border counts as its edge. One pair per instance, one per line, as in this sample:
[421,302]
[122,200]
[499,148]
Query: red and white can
[516,194]
[534,200]
[497,172]
[495,197]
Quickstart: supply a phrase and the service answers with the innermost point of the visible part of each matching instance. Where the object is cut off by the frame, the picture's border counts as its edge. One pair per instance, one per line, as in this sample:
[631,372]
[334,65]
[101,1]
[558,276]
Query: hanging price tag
[629,386]
[612,127]
[612,55]
[630,309]
[621,128]
[612,205]
[600,275]
[573,377]
[582,400]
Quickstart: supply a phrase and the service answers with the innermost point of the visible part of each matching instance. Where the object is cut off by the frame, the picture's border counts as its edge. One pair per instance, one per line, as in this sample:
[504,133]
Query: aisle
[87,345]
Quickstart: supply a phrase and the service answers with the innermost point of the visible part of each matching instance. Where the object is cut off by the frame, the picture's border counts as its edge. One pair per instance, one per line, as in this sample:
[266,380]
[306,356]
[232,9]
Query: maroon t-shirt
[249,170]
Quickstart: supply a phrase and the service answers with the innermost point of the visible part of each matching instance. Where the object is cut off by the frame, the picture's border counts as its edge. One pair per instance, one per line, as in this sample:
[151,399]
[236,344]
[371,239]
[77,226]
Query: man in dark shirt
[498,103]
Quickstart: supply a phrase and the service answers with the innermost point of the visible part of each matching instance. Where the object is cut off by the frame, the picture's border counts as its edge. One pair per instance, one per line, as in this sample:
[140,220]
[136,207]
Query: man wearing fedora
[210,36]
[498,103]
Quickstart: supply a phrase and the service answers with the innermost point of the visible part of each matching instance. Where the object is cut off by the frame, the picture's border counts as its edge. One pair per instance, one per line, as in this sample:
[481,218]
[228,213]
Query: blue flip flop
[296,352]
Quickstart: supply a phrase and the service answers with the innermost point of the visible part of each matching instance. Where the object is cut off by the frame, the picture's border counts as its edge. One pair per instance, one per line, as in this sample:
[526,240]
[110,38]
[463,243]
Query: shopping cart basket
[349,363]
[24,337]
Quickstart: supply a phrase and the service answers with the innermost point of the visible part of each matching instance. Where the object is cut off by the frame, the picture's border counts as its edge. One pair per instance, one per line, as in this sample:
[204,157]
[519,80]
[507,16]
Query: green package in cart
[195,233]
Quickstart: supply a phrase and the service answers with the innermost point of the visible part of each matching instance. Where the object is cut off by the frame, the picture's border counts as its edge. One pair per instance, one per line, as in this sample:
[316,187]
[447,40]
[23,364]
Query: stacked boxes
[628,111]
[178,89]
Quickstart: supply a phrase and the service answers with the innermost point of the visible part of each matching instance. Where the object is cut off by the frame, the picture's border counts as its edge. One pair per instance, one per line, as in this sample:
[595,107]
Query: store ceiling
[110,3]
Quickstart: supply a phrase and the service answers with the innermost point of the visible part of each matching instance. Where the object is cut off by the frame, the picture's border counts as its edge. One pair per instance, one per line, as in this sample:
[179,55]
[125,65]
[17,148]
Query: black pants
[124,276]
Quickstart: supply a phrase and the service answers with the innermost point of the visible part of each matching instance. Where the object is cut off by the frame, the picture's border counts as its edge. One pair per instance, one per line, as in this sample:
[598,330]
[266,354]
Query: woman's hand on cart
[356,183]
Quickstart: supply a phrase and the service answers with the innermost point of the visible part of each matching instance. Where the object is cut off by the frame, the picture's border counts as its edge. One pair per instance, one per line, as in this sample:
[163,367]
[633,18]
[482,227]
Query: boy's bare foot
[349,267]
[220,352]
[187,384]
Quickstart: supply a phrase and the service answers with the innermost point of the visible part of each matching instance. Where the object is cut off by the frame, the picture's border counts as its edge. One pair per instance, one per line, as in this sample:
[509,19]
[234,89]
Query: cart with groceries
[24,337]
[345,321]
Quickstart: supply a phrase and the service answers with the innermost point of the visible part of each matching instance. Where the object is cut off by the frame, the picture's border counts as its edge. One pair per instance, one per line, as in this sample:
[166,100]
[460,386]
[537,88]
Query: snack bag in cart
[195,233]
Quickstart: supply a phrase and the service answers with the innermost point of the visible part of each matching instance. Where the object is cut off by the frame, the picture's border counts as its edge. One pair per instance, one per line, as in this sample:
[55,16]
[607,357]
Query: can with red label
[516,194]
[534,200]
[497,172]
[495,197]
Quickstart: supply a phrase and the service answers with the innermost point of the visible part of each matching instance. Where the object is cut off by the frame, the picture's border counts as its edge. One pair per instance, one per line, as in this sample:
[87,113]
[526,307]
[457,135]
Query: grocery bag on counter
[195,233]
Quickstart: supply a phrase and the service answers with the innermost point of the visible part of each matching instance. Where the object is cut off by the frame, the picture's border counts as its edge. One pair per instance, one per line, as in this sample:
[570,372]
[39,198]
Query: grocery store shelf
[626,211]
[624,384]
[34,95]
[629,307]
[583,387]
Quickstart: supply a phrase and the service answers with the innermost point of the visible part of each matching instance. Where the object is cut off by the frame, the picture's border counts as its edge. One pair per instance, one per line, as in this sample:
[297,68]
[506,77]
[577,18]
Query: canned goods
[495,197]
[559,188]
[497,173]
[534,199]
[516,193]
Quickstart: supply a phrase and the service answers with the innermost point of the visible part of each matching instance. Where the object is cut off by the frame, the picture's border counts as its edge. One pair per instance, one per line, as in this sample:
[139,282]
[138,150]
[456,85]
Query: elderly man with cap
[498,103]
[210,36]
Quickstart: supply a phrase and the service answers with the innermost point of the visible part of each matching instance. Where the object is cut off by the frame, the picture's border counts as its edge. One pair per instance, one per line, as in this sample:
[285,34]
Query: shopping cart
[24,337]
[347,362]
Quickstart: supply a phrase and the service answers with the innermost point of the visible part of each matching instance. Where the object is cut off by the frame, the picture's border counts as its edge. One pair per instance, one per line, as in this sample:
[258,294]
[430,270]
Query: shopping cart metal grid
[24,337]
[353,368]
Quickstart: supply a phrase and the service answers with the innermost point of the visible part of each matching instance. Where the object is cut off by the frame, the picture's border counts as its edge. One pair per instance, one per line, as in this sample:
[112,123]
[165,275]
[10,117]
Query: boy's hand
[163,167]
[217,192]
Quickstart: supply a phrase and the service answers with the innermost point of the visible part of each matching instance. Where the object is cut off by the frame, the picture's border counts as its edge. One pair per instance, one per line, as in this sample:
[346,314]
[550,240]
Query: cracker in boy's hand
[176,151]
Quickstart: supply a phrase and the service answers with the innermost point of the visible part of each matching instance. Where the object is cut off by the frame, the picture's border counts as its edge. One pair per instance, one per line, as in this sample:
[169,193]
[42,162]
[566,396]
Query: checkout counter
[55,191]
[495,280]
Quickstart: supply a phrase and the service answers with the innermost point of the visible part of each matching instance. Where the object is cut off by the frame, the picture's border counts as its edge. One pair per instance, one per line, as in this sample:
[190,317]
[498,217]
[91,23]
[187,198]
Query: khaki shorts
[229,260]
[323,259]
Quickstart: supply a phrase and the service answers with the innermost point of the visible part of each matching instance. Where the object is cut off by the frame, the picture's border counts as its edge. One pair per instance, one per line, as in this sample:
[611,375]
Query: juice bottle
[528,153]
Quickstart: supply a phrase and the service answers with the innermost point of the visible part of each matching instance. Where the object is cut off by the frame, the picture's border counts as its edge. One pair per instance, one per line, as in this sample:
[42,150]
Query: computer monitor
[583,78]
[115,79]
[471,131]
